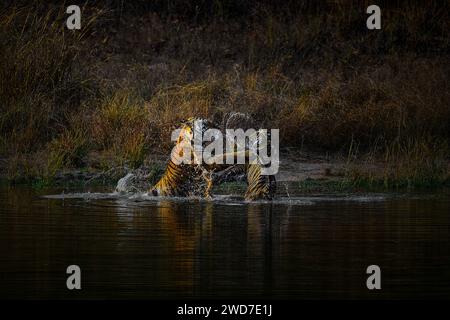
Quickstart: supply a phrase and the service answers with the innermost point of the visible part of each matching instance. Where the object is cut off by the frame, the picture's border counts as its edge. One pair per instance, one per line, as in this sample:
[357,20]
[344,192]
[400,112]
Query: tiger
[259,186]
[198,179]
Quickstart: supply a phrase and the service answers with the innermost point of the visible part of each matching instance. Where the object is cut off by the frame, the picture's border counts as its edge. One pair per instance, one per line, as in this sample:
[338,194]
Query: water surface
[303,247]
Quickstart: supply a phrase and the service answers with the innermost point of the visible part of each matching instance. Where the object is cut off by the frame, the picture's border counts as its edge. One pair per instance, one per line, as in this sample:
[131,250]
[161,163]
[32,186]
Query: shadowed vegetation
[111,93]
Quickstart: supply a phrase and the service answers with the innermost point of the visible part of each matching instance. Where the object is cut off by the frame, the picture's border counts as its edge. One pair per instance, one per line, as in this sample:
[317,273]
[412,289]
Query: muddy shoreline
[309,172]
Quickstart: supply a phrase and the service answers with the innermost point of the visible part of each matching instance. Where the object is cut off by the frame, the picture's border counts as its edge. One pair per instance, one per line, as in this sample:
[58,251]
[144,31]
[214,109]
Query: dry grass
[379,104]
[39,83]
[313,70]
[120,124]
[410,164]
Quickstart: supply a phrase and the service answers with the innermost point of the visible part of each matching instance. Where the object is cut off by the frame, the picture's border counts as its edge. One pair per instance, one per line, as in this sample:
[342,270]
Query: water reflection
[154,249]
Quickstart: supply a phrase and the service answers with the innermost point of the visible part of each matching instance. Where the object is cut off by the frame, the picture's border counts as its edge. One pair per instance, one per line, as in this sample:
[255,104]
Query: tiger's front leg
[259,186]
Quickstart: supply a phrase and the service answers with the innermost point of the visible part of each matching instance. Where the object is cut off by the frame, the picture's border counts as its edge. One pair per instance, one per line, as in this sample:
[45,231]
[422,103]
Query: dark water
[309,247]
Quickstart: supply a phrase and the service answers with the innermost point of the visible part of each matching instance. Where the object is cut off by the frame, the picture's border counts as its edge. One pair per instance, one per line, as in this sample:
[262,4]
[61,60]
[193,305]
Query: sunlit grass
[315,73]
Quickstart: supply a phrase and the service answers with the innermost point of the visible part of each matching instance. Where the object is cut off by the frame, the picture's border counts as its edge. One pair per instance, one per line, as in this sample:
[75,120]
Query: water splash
[222,199]
[127,184]
[132,188]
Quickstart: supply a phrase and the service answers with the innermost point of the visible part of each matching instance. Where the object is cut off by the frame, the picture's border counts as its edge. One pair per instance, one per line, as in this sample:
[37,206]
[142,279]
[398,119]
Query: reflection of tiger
[193,179]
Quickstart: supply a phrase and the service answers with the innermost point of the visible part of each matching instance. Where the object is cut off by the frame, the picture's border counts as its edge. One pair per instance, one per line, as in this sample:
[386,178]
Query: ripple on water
[231,200]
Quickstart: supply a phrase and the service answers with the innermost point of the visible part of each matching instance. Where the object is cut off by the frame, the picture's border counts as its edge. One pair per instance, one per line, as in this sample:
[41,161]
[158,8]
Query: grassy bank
[109,94]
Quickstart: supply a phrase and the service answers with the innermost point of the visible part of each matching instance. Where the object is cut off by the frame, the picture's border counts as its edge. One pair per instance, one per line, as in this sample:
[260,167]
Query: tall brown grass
[311,69]
[408,164]
[39,82]
[382,103]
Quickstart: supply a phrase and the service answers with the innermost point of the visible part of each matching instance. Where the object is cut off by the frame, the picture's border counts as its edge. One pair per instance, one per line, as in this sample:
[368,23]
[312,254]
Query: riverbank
[78,104]
[304,172]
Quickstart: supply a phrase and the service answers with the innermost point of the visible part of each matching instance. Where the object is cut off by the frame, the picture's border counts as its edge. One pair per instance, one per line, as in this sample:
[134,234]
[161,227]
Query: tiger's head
[182,159]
